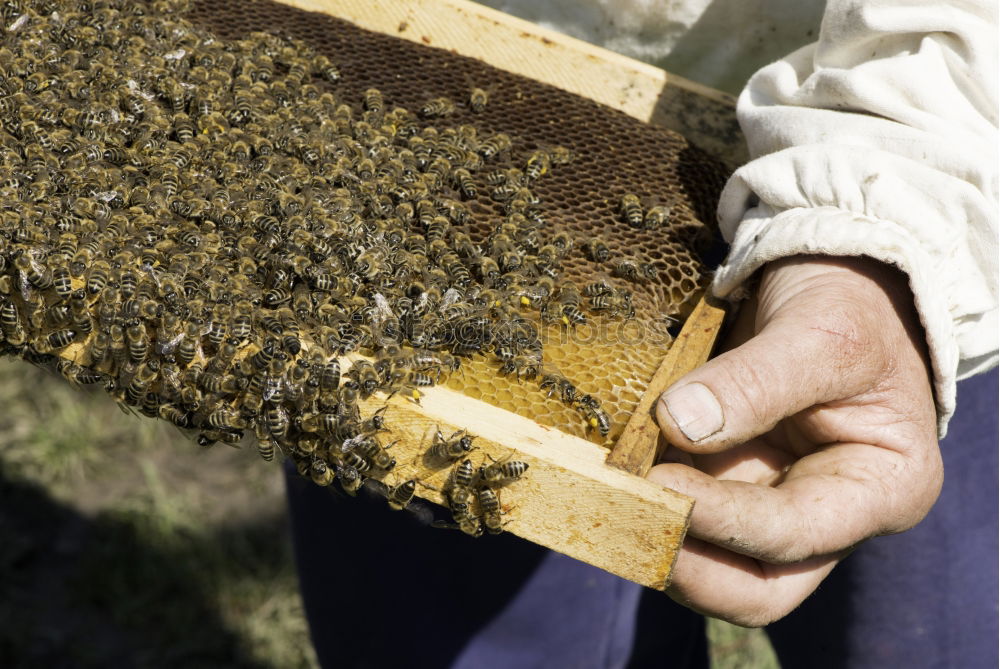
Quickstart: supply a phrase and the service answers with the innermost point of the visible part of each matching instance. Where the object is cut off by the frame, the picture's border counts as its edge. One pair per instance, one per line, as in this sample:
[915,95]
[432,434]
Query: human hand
[815,431]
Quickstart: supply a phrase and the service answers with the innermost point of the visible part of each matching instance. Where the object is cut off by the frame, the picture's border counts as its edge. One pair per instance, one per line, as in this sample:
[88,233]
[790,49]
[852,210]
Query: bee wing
[382,308]
[18,23]
[135,88]
[273,389]
[350,444]
[166,347]
[25,287]
[153,274]
[450,297]
[171,377]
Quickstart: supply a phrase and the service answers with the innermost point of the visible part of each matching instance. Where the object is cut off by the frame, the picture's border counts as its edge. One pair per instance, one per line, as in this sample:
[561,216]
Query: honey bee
[144,376]
[374,453]
[241,324]
[138,344]
[613,303]
[597,419]
[373,101]
[463,179]
[501,473]
[320,473]
[629,269]
[320,423]
[328,374]
[98,276]
[438,107]
[656,217]
[217,383]
[227,419]
[631,210]
[33,272]
[401,495]
[460,492]
[451,449]
[322,66]
[375,423]
[61,338]
[97,348]
[494,145]
[175,415]
[276,422]
[489,505]
[363,372]
[469,524]
[61,281]
[538,164]
[596,249]
[78,375]
[350,479]
[189,345]
[478,99]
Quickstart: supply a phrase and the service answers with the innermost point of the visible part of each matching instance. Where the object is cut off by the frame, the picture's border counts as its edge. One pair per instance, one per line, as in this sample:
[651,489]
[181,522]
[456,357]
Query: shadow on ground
[120,589]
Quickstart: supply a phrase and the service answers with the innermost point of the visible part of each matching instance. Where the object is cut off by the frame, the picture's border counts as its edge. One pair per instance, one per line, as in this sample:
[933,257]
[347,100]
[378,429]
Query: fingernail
[695,409]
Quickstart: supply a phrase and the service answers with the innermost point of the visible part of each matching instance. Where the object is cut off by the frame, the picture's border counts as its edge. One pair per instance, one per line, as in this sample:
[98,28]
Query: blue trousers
[382,589]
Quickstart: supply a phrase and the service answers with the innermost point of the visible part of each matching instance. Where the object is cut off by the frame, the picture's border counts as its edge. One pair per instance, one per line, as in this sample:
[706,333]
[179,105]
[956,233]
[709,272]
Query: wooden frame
[571,500]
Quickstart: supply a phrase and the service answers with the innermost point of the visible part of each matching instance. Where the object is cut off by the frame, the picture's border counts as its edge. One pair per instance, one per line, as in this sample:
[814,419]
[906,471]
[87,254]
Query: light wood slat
[638,447]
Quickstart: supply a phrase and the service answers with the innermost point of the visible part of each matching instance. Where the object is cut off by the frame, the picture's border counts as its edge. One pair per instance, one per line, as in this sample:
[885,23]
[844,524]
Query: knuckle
[747,386]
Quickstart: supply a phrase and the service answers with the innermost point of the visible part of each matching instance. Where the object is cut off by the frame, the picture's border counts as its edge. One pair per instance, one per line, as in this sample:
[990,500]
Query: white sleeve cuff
[764,236]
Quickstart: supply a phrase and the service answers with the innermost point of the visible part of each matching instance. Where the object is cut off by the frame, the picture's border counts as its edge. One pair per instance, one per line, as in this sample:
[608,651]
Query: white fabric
[683,36]
[880,139]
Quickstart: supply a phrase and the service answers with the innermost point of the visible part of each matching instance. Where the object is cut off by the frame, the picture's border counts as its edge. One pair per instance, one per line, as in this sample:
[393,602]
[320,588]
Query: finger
[741,590]
[827,501]
[755,462]
[746,391]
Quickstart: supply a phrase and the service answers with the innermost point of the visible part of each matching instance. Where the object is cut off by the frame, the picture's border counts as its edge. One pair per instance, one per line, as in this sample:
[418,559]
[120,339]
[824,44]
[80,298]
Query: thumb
[788,366]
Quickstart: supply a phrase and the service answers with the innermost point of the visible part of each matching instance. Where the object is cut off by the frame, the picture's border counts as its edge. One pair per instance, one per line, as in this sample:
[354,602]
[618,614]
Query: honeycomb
[614,155]
[208,218]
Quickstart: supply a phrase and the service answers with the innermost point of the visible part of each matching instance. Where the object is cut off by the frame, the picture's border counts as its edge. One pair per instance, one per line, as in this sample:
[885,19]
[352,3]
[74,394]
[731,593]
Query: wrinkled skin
[828,437]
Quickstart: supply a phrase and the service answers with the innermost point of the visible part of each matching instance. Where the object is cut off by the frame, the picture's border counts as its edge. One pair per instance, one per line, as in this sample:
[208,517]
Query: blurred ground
[124,544]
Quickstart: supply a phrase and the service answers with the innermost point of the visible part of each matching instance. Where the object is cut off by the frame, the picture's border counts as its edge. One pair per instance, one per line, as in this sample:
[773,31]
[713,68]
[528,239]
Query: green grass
[732,647]
[124,544]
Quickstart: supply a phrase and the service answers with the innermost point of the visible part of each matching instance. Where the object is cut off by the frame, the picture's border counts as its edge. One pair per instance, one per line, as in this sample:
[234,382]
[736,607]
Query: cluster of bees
[467,488]
[207,229]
